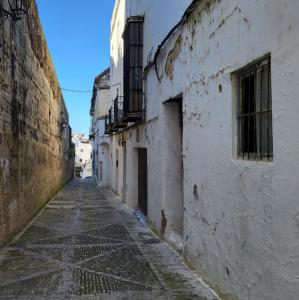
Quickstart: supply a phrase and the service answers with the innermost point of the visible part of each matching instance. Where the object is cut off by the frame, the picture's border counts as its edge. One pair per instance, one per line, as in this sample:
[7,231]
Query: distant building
[83,165]
[100,105]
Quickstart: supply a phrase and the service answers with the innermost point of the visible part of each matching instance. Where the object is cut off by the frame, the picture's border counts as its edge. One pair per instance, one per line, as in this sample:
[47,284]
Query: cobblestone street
[85,244]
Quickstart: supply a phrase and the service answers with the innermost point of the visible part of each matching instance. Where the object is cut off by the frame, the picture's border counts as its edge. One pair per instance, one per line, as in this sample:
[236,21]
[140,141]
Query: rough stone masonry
[35,154]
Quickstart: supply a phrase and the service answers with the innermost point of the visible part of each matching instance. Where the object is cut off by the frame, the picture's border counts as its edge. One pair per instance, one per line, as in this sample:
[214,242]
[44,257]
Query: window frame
[260,113]
[133,69]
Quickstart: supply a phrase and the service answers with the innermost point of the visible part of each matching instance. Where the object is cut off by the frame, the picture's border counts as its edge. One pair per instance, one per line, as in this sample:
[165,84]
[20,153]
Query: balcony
[119,113]
[109,122]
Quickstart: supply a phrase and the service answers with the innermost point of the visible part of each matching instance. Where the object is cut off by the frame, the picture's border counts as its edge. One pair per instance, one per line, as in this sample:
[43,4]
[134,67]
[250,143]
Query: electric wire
[89,91]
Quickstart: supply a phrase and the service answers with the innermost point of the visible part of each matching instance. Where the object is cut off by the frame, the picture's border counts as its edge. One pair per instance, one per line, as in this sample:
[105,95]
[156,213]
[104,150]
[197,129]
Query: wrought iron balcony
[119,113]
[109,122]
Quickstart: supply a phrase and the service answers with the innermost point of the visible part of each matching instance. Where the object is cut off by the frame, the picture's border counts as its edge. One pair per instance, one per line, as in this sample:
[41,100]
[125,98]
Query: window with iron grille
[254,112]
[133,66]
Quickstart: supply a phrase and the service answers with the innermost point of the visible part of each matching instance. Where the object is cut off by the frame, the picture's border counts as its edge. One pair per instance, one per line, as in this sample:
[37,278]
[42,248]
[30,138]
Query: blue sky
[77,33]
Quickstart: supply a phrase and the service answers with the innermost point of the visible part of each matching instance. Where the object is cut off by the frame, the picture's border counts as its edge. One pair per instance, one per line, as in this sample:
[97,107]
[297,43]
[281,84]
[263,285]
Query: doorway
[104,169]
[116,171]
[142,180]
[101,171]
[124,171]
[174,167]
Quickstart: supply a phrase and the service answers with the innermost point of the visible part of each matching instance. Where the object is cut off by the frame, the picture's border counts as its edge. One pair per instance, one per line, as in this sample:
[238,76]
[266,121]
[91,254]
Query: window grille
[255,138]
[133,67]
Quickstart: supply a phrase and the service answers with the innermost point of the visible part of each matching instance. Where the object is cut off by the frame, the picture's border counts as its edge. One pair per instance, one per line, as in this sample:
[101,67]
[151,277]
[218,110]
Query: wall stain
[172,56]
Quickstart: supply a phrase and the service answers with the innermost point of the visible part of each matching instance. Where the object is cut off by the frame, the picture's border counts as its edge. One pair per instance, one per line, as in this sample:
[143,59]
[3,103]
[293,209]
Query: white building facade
[100,105]
[208,93]
[83,156]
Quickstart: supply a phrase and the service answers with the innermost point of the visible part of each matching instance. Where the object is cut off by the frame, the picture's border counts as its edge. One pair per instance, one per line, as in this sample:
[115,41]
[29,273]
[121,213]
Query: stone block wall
[35,156]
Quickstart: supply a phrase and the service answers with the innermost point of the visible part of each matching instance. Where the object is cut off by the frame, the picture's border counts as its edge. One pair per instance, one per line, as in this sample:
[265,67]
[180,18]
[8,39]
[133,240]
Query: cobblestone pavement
[84,246]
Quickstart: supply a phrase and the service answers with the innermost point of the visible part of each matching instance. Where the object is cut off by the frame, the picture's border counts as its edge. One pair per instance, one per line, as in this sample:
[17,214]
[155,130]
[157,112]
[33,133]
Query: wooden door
[101,171]
[142,180]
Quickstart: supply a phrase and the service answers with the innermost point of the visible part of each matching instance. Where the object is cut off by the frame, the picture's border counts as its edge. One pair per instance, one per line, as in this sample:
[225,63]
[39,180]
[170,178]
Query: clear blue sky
[77,33]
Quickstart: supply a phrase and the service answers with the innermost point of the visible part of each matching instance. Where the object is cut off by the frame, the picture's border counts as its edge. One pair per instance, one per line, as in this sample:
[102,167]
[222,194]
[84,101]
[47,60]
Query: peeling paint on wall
[240,233]
[172,56]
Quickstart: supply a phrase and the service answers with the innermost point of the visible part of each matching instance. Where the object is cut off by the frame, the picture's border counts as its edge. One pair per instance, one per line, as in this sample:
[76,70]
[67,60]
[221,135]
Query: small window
[82,150]
[254,111]
[80,160]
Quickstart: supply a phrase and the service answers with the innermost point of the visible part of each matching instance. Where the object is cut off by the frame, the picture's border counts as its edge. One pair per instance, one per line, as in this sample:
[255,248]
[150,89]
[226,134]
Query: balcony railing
[119,113]
[109,122]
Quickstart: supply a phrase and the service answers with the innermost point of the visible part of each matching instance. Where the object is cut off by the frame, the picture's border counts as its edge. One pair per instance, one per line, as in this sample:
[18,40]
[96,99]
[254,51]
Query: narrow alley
[149,149]
[85,244]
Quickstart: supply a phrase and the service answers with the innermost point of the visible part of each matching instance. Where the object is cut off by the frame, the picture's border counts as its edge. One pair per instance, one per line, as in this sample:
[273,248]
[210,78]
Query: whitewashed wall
[154,33]
[101,159]
[241,231]
[101,143]
[83,150]
[102,103]
[241,227]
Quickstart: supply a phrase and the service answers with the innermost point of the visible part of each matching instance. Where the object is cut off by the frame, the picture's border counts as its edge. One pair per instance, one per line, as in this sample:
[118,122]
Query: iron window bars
[255,138]
[133,67]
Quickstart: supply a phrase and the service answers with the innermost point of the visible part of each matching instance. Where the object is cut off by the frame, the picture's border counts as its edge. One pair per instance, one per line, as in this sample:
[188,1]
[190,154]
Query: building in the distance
[100,105]
[83,165]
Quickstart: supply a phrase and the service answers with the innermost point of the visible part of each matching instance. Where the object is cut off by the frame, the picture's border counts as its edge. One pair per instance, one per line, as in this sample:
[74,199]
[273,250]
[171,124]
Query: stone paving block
[76,239]
[115,231]
[126,262]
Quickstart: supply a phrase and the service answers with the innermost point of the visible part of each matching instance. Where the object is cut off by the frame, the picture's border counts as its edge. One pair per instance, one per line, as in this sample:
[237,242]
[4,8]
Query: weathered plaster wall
[143,137]
[117,152]
[101,154]
[100,105]
[172,169]
[116,50]
[241,218]
[104,160]
[34,150]
[100,102]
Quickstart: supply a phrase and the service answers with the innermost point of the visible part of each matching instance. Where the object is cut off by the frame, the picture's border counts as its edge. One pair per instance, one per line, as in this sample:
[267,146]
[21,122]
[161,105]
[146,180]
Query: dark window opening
[255,139]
